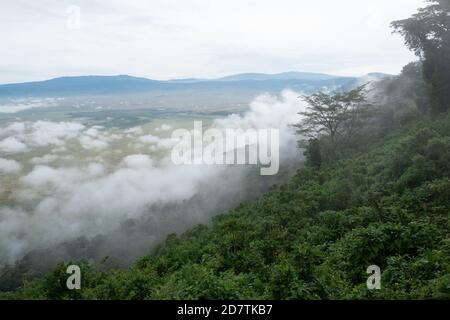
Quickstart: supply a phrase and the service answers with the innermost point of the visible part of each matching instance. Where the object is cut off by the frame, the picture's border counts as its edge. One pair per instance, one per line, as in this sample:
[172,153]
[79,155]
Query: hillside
[386,203]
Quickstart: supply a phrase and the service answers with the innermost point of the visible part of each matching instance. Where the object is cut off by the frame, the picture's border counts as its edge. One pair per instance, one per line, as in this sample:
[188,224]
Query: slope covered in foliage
[386,203]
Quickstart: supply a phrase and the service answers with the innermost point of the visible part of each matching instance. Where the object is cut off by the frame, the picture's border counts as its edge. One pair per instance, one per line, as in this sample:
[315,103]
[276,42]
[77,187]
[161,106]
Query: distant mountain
[248,83]
[76,85]
[279,76]
[187,80]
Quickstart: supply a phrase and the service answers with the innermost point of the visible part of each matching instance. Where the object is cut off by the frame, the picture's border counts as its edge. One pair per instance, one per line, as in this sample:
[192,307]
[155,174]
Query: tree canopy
[336,117]
[427,34]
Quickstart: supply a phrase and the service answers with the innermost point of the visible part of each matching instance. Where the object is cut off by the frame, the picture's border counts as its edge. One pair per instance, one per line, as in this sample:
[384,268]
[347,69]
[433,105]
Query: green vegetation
[334,119]
[427,33]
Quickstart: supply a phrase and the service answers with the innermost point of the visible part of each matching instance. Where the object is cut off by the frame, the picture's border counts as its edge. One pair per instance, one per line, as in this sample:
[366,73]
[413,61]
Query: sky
[166,39]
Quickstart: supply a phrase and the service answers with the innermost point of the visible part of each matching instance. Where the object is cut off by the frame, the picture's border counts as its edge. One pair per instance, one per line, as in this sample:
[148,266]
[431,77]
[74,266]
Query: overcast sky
[163,39]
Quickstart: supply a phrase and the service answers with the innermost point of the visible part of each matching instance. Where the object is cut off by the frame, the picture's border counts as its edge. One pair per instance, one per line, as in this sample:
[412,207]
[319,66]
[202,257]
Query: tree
[416,86]
[427,34]
[313,153]
[336,117]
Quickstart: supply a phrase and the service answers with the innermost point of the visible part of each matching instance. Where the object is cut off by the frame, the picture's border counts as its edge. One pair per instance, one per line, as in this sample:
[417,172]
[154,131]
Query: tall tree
[336,117]
[427,34]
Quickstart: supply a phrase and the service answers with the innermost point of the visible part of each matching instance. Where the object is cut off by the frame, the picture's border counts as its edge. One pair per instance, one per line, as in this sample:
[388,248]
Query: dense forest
[375,190]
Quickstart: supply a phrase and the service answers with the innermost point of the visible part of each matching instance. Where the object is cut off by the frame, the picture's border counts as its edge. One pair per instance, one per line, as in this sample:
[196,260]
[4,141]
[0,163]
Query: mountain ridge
[98,84]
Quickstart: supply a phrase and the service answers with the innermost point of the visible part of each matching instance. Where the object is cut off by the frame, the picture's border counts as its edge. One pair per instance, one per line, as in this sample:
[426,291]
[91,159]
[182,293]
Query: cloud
[164,127]
[138,161]
[45,133]
[133,131]
[63,179]
[18,106]
[94,195]
[266,112]
[48,158]
[13,128]
[21,137]
[149,139]
[9,166]
[90,143]
[168,39]
[12,145]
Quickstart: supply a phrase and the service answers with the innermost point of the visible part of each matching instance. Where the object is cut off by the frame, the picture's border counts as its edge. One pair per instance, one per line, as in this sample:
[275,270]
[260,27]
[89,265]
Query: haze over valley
[86,173]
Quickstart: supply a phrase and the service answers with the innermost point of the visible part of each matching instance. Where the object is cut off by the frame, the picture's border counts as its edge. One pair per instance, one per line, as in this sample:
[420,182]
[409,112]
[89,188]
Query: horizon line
[190,78]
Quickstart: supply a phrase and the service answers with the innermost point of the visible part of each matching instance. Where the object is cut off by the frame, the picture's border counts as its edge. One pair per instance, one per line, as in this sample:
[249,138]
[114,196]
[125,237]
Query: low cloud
[25,104]
[90,143]
[48,158]
[164,127]
[96,194]
[12,145]
[138,161]
[21,137]
[149,139]
[9,166]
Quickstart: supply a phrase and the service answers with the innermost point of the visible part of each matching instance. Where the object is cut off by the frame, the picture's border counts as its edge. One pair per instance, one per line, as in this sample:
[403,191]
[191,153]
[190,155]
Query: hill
[120,85]
[386,202]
